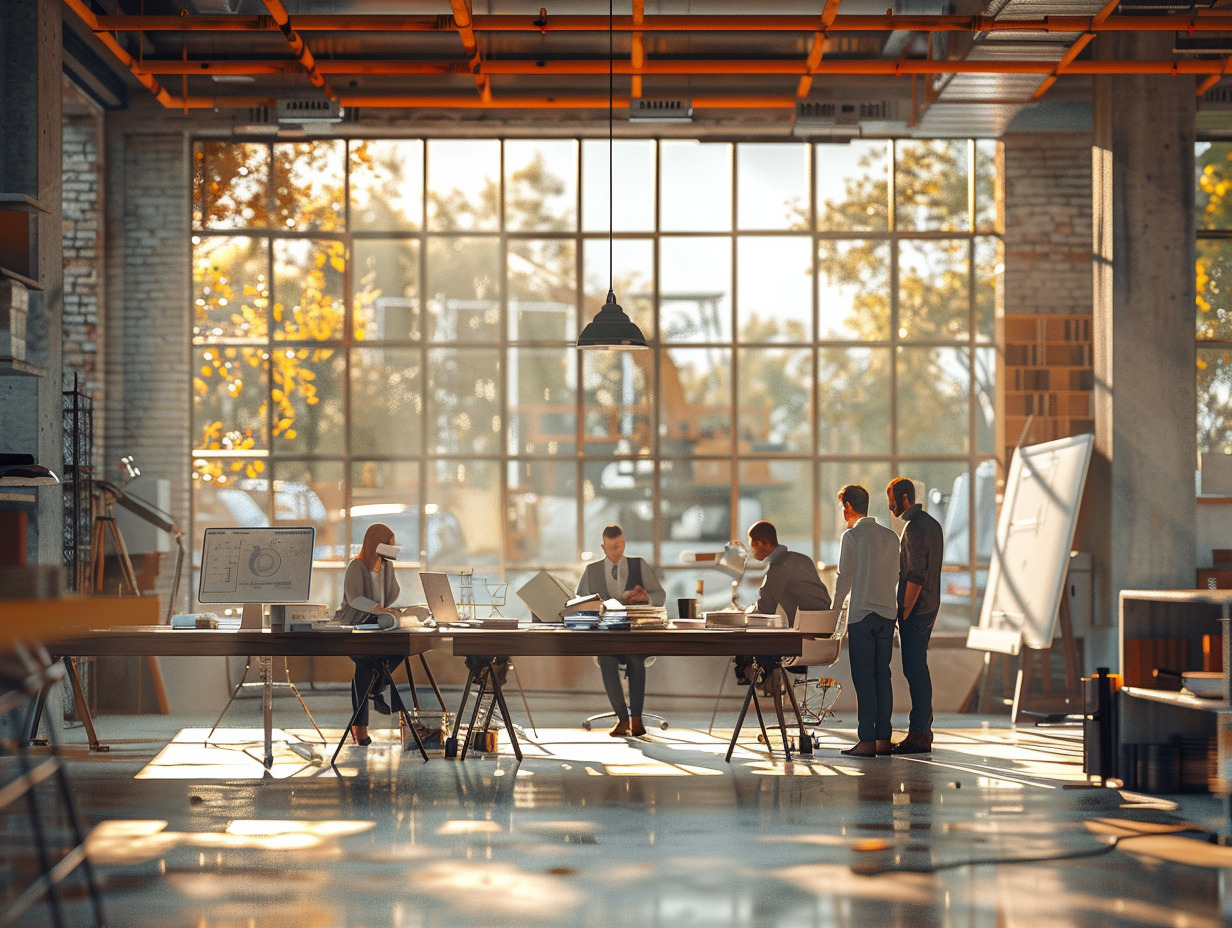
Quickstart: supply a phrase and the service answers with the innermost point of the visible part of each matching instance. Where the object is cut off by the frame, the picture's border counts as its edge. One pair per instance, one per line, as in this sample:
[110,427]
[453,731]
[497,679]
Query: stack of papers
[582,621]
[498,622]
[647,616]
[321,627]
[764,620]
[729,618]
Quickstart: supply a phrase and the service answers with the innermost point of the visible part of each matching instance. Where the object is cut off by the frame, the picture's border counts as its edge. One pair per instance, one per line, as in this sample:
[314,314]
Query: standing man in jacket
[919,598]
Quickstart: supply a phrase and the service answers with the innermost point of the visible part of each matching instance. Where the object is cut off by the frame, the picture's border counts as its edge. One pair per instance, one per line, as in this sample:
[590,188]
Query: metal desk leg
[79,700]
[423,659]
[470,729]
[267,707]
[744,710]
[359,704]
[500,698]
[400,707]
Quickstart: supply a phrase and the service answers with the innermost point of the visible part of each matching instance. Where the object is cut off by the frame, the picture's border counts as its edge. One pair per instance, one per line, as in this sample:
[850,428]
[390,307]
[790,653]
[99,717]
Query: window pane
[542,401]
[309,280]
[463,185]
[781,491]
[776,400]
[930,185]
[854,417]
[309,187]
[230,185]
[986,400]
[695,289]
[989,280]
[774,295]
[312,493]
[464,289]
[464,403]
[389,492]
[987,205]
[230,389]
[542,282]
[772,186]
[541,185]
[619,492]
[617,402]
[230,288]
[465,518]
[387,401]
[853,189]
[542,517]
[874,476]
[696,505]
[634,280]
[696,401]
[1214,286]
[1213,163]
[1215,400]
[853,284]
[697,185]
[307,400]
[387,185]
[387,303]
[225,498]
[933,297]
[932,400]
[633,189]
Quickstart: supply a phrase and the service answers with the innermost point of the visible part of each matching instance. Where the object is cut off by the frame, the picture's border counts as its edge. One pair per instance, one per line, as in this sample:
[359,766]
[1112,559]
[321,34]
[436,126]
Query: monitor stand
[252,617]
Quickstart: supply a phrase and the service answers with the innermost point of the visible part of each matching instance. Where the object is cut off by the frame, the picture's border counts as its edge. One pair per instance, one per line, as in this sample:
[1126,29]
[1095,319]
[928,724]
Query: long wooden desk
[552,641]
[164,641]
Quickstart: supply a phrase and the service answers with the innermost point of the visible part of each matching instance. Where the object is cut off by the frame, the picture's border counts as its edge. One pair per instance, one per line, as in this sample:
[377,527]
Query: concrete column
[1141,506]
[30,108]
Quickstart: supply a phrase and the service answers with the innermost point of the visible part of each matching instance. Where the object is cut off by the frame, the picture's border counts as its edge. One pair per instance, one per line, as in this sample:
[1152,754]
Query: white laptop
[440,596]
[545,596]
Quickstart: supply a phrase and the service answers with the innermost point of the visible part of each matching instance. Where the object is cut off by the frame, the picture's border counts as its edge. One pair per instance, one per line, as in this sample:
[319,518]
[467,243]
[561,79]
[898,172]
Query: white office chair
[588,722]
[820,652]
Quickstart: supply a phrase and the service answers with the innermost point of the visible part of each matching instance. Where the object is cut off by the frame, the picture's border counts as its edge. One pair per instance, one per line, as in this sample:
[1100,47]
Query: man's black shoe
[379,704]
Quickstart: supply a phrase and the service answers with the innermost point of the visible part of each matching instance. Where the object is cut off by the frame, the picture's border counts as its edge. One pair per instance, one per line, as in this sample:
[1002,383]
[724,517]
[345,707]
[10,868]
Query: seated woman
[367,590]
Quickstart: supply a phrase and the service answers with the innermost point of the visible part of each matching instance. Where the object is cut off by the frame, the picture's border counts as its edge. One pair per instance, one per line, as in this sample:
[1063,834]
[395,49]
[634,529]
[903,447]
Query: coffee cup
[687,608]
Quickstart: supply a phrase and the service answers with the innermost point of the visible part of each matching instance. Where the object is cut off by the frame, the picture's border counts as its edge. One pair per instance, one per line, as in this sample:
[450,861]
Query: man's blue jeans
[870,643]
[913,636]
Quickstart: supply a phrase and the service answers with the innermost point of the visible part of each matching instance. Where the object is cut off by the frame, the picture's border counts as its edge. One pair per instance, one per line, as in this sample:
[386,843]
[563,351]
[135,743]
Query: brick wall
[83,209]
[1047,223]
[146,400]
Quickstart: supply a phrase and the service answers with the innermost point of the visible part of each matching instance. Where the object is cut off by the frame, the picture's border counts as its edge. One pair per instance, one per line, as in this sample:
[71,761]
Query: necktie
[614,566]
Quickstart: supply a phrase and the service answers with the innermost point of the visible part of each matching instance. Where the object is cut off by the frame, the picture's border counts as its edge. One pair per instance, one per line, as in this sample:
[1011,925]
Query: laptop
[440,596]
[545,596]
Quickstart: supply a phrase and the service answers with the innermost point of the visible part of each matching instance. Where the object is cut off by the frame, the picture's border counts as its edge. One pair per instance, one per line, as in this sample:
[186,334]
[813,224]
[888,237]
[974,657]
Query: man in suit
[630,580]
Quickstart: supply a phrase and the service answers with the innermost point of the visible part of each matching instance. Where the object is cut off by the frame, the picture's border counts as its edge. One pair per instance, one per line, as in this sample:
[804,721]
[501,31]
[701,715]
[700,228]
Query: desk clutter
[612,615]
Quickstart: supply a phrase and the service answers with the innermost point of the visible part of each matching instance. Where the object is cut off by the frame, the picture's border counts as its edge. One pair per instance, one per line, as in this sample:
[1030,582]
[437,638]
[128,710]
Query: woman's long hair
[378,534]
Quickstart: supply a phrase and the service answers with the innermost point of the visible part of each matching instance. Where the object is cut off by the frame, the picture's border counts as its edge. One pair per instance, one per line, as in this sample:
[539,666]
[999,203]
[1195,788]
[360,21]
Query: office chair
[587,723]
[820,652]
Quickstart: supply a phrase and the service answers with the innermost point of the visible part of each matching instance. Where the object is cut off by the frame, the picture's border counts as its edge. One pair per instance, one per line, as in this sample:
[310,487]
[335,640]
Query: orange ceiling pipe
[470,45]
[279,14]
[1202,21]
[87,16]
[1075,50]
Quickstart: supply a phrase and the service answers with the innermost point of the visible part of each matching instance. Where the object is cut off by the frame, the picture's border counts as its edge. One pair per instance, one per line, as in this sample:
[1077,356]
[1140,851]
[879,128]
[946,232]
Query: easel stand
[778,683]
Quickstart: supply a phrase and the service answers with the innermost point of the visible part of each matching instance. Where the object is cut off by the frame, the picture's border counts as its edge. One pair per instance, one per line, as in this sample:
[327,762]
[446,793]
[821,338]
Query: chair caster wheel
[761,739]
[451,747]
[663,726]
[586,725]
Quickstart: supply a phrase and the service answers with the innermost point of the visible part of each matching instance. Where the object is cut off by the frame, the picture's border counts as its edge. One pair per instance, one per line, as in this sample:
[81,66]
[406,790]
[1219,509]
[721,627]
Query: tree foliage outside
[1213,312]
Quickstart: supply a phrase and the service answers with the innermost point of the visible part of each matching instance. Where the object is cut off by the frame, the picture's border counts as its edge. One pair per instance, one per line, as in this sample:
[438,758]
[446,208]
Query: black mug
[687,608]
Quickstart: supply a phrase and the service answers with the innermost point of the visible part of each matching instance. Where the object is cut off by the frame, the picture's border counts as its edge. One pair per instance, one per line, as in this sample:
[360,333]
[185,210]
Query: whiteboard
[1030,554]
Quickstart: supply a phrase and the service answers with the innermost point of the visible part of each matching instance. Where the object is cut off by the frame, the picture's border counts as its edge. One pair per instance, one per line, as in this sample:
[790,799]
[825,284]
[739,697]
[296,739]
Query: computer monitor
[255,566]
[439,596]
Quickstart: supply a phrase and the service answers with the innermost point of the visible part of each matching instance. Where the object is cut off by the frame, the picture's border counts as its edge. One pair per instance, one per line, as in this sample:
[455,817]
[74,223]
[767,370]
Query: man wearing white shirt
[629,580]
[868,571]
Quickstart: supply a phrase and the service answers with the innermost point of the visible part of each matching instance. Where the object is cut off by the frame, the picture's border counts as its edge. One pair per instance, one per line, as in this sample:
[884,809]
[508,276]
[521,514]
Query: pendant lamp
[611,328]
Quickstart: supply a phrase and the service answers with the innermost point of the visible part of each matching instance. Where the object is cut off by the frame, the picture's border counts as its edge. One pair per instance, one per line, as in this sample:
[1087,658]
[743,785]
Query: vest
[596,578]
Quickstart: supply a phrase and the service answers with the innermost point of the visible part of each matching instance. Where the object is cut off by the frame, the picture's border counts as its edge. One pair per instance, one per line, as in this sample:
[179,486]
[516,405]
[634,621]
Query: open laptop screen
[439,596]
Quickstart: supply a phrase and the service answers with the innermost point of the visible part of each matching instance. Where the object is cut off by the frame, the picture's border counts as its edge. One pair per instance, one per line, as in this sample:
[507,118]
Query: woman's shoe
[379,704]
[862,749]
[360,735]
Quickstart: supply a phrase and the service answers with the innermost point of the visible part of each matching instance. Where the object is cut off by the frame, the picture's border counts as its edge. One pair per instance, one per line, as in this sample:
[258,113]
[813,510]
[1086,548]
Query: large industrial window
[1213,212]
[383,331]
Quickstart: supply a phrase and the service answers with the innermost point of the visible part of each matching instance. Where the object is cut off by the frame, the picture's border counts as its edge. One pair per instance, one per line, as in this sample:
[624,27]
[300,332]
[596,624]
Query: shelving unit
[1149,715]
[1047,373]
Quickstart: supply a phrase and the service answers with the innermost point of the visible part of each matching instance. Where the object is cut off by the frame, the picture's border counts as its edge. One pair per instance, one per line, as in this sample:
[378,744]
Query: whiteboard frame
[1035,618]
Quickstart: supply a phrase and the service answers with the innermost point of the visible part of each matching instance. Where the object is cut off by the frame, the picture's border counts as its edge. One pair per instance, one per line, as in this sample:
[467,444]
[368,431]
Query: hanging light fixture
[611,328]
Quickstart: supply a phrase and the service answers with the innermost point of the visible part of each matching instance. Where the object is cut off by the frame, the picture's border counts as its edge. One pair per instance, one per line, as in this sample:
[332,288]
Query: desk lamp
[730,561]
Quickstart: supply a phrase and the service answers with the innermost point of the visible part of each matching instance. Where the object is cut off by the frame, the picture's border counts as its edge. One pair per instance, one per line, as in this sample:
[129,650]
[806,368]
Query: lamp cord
[611,165]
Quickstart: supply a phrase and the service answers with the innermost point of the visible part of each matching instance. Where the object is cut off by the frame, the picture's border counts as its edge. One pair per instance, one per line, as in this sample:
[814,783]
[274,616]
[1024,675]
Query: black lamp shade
[611,328]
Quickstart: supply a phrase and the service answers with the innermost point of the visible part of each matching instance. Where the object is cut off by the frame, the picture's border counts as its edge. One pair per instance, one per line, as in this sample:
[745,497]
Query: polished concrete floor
[991,829]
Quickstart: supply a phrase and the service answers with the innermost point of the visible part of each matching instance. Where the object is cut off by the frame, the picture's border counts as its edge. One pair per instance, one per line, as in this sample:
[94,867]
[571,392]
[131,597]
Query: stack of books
[583,612]
[646,616]
[764,620]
